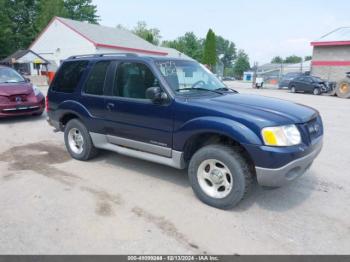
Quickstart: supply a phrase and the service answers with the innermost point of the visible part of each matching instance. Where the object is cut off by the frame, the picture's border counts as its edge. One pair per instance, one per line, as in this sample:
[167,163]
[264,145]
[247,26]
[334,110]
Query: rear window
[68,76]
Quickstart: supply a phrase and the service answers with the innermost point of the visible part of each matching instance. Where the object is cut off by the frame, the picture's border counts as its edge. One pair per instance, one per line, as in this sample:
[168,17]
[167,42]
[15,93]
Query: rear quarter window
[68,76]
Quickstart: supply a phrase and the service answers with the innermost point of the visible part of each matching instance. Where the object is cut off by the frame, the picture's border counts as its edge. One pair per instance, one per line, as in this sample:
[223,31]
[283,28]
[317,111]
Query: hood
[265,110]
[320,81]
[10,89]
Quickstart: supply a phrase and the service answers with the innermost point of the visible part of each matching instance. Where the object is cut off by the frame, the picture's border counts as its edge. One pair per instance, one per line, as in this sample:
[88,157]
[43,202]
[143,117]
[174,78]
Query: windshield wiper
[200,89]
[226,89]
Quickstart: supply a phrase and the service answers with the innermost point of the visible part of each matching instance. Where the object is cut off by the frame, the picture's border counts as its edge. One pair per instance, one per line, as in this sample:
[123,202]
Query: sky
[264,28]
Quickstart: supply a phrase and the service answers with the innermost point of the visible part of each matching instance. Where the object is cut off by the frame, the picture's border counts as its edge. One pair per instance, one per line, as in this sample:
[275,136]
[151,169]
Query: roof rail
[102,55]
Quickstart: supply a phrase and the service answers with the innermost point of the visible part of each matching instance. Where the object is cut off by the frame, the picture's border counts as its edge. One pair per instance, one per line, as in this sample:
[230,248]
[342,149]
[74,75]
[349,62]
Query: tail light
[47,104]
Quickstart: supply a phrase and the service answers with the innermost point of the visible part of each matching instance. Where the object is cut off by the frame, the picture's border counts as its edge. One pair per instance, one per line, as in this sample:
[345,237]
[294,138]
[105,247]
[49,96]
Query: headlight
[36,90]
[281,136]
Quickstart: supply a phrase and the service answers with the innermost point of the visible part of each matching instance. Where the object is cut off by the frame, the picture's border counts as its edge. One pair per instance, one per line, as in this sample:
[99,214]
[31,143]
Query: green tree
[188,44]
[17,28]
[293,59]
[227,50]
[151,35]
[229,71]
[81,10]
[241,64]
[47,10]
[308,58]
[209,56]
[6,41]
[277,60]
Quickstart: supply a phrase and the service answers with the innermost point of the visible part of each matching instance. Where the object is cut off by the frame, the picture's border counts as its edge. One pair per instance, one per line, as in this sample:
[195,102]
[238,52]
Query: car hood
[320,81]
[10,89]
[265,110]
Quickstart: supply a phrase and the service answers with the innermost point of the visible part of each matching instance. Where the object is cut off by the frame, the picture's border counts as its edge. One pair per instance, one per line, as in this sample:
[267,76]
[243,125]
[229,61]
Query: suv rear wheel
[78,141]
[219,176]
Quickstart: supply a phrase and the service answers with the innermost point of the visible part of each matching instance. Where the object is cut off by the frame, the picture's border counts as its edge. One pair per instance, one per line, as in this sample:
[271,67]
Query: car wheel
[293,90]
[78,141]
[317,91]
[219,176]
[343,89]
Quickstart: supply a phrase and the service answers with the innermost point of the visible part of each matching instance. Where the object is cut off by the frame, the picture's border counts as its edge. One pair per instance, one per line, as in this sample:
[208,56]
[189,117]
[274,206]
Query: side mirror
[27,80]
[156,95]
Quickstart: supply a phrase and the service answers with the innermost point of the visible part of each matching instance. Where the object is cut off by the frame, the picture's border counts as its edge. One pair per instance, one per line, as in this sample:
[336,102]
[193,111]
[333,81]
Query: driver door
[133,120]
[309,87]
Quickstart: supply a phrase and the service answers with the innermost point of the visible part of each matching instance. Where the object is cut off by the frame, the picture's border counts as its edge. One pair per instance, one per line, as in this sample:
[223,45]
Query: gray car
[310,84]
[287,78]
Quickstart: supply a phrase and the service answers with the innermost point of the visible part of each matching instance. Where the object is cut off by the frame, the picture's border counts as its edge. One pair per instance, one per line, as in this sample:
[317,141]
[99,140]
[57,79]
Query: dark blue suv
[177,113]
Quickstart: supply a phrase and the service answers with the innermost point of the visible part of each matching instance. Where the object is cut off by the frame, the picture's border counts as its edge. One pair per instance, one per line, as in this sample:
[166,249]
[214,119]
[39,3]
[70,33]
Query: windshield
[188,76]
[8,75]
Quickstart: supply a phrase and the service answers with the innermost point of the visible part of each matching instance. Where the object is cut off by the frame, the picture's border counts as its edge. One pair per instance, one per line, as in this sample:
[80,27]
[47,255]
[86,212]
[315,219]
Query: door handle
[110,106]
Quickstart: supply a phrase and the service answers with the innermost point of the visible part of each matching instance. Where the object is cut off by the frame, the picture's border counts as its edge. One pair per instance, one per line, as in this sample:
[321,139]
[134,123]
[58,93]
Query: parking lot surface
[51,204]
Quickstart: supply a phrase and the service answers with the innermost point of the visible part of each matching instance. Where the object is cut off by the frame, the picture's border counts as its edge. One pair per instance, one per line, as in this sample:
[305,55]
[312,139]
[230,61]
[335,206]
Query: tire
[292,89]
[230,165]
[86,149]
[317,91]
[343,88]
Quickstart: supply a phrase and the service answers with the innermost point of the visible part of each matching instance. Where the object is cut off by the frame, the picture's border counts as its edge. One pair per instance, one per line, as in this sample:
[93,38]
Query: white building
[63,38]
[26,62]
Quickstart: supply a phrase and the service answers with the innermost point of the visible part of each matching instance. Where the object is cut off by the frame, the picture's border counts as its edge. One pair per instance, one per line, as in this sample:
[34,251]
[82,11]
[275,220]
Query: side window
[68,76]
[309,79]
[96,80]
[132,80]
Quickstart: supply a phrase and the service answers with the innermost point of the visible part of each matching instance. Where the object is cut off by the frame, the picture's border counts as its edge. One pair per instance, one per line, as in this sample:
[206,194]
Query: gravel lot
[50,204]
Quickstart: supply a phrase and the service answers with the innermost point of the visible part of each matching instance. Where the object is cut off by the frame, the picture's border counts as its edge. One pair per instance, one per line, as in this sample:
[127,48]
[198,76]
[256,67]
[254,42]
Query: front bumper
[280,176]
[25,108]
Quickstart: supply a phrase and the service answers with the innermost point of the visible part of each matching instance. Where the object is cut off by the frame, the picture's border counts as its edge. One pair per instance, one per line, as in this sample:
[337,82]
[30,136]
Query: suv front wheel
[78,141]
[219,176]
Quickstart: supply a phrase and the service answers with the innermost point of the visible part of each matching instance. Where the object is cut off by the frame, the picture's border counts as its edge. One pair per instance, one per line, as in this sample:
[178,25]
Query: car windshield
[189,76]
[316,79]
[8,75]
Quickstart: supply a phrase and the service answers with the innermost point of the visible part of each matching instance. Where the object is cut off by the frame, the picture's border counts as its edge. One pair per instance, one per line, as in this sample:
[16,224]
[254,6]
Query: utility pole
[255,69]
[281,71]
[301,66]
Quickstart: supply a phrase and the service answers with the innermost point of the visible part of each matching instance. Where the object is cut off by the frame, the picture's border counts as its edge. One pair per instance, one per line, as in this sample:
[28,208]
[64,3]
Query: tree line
[22,20]
[293,59]
[210,50]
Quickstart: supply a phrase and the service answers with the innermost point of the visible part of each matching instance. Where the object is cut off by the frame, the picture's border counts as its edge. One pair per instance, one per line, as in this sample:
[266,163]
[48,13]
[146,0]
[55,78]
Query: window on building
[96,81]
[133,79]
[68,76]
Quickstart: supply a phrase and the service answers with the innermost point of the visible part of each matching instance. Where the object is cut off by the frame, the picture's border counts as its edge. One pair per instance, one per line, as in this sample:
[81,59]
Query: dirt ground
[51,204]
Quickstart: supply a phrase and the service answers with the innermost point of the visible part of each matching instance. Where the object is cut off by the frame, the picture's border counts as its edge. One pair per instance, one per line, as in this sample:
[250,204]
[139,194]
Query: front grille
[311,130]
[18,98]
[314,128]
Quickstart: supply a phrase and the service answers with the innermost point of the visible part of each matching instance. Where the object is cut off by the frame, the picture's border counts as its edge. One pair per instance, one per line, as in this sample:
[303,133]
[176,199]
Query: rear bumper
[54,124]
[289,172]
